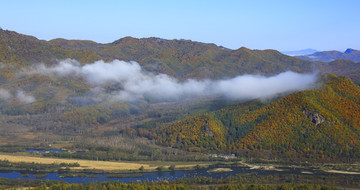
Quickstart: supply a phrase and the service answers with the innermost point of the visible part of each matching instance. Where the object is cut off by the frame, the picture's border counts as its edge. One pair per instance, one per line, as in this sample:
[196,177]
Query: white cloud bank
[137,84]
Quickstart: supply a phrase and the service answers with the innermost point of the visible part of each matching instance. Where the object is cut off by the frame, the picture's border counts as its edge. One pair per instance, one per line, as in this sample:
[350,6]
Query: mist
[136,84]
[5,94]
[20,96]
[23,97]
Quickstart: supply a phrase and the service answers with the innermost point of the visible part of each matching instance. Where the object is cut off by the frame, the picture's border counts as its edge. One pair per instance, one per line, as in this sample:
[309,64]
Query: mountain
[299,52]
[328,56]
[342,67]
[23,49]
[40,107]
[179,58]
[314,124]
[187,59]
[66,97]
[20,50]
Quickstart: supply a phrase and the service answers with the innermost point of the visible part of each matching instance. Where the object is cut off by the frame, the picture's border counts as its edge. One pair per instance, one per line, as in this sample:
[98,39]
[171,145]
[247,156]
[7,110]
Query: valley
[155,105]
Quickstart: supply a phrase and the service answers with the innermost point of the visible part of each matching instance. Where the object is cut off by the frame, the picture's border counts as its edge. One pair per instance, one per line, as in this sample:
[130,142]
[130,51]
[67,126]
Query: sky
[283,25]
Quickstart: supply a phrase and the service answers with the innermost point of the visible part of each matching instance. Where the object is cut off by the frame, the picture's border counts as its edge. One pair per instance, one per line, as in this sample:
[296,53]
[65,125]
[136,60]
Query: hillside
[328,56]
[313,124]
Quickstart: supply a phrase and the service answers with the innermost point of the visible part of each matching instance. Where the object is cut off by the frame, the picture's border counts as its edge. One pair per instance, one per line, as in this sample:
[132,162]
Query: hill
[328,56]
[312,124]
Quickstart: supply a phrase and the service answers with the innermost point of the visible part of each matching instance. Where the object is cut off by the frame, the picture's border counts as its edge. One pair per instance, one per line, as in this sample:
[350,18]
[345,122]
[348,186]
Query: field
[107,166]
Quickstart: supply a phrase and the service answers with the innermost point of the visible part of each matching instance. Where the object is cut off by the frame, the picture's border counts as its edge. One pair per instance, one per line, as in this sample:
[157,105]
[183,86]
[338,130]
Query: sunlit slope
[314,124]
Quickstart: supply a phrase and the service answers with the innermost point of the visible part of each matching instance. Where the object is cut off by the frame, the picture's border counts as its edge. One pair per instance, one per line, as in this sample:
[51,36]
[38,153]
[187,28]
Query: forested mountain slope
[342,67]
[18,51]
[314,124]
[23,49]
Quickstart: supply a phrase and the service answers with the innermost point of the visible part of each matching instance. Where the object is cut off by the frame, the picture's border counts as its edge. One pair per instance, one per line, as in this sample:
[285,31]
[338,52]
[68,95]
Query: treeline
[136,153]
[278,179]
[166,186]
[240,181]
[35,167]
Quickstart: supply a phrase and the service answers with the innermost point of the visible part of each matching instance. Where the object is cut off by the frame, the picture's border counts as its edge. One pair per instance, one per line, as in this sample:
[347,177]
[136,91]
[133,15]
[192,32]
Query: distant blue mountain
[299,52]
[328,56]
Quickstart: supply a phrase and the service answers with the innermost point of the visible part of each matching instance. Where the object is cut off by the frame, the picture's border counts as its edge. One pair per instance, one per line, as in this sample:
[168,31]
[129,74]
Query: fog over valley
[135,83]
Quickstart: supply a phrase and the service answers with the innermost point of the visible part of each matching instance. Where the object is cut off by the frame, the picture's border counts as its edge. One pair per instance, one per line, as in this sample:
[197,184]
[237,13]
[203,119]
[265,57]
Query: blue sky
[256,24]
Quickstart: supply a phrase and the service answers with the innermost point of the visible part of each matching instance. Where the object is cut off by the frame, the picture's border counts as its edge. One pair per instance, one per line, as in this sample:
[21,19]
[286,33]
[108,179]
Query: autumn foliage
[315,124]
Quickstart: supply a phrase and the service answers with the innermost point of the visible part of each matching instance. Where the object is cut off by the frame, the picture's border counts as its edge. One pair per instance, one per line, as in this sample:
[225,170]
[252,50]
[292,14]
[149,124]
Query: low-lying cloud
[136,83]
[5,94]
[23,97]
[20,96]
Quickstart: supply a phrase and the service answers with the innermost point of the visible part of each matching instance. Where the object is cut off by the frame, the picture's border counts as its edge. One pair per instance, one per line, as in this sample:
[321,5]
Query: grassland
[106,166]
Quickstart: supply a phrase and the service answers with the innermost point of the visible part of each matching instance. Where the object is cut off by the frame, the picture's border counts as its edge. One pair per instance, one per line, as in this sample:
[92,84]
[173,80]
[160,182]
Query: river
[158,176]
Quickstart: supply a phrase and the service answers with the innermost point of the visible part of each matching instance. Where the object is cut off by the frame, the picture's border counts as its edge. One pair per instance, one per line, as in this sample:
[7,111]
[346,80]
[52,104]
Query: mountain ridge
[328,56]
[182,59]
[189,59]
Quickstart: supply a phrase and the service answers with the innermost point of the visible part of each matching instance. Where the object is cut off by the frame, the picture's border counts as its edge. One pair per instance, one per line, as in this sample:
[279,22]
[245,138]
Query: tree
[172,167]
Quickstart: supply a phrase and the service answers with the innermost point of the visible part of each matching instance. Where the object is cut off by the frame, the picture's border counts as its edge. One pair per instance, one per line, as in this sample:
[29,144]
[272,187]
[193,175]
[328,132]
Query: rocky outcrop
[314,116]
[208,132]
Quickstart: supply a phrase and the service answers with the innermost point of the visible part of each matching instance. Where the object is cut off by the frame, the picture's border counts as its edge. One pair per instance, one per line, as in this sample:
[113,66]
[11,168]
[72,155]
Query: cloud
[135,83]
[20,95]
[23,97]
[255,86]
[5,94]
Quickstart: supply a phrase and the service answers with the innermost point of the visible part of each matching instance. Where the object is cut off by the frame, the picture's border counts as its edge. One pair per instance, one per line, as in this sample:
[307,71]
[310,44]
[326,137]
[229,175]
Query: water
[43,150]
[152,176]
